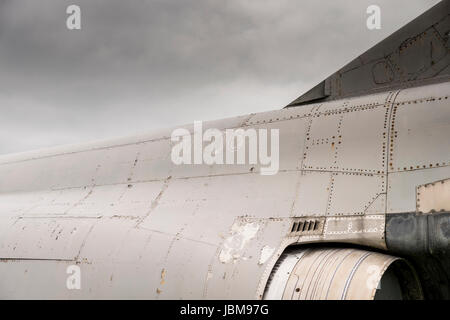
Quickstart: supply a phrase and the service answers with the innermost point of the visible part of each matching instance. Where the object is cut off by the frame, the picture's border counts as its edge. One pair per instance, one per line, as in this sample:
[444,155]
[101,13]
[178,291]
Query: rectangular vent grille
[306,227]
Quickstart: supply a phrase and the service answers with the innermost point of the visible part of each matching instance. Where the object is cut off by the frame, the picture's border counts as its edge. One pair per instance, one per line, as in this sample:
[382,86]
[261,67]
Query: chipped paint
[266,253]
[235,244]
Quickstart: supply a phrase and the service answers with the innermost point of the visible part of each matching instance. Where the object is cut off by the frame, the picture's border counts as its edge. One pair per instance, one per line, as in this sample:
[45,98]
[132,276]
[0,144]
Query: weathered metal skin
[140,226]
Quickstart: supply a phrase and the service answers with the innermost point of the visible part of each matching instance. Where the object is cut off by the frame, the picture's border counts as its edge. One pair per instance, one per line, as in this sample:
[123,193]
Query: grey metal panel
[17,204]
[363,130]
[291,142]
[291,145]
[152,161]
[322,140]
[136,199]
[354,193]
[312,194]
[419,144]
[415,123]
[57,202]
[115,165]
[402,187]
[339,128]
[186,272]
[99,201]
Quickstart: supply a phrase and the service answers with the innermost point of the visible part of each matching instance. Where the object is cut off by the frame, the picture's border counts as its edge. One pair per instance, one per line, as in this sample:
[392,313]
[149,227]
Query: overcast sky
[141,65]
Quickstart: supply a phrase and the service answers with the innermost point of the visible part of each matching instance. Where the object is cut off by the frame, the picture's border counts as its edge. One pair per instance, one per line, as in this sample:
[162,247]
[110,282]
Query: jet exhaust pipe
[342,274]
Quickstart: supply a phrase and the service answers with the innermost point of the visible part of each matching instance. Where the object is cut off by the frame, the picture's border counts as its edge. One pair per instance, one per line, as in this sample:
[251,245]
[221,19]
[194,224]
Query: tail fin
[416,54]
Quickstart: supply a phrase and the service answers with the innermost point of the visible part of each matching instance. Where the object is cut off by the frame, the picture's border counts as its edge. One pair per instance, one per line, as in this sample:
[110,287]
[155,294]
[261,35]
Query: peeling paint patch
[235,243]
[266,253]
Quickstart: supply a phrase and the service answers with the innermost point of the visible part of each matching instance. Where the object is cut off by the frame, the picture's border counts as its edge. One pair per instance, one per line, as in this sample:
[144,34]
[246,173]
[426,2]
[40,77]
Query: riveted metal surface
[368,230]
[417,122]
[402,186]
[276,115]
[336,130]
[197,231]
[434,197]
[419,144]
[354,103]
[352,193]
[362,130]
[322,140]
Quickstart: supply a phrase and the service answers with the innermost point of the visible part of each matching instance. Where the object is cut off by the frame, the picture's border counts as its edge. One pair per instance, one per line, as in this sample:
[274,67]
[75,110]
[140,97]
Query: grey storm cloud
[140,65]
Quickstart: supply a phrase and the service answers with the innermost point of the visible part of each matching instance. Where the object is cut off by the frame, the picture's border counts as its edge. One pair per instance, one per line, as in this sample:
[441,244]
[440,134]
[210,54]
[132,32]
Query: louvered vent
[306,226]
